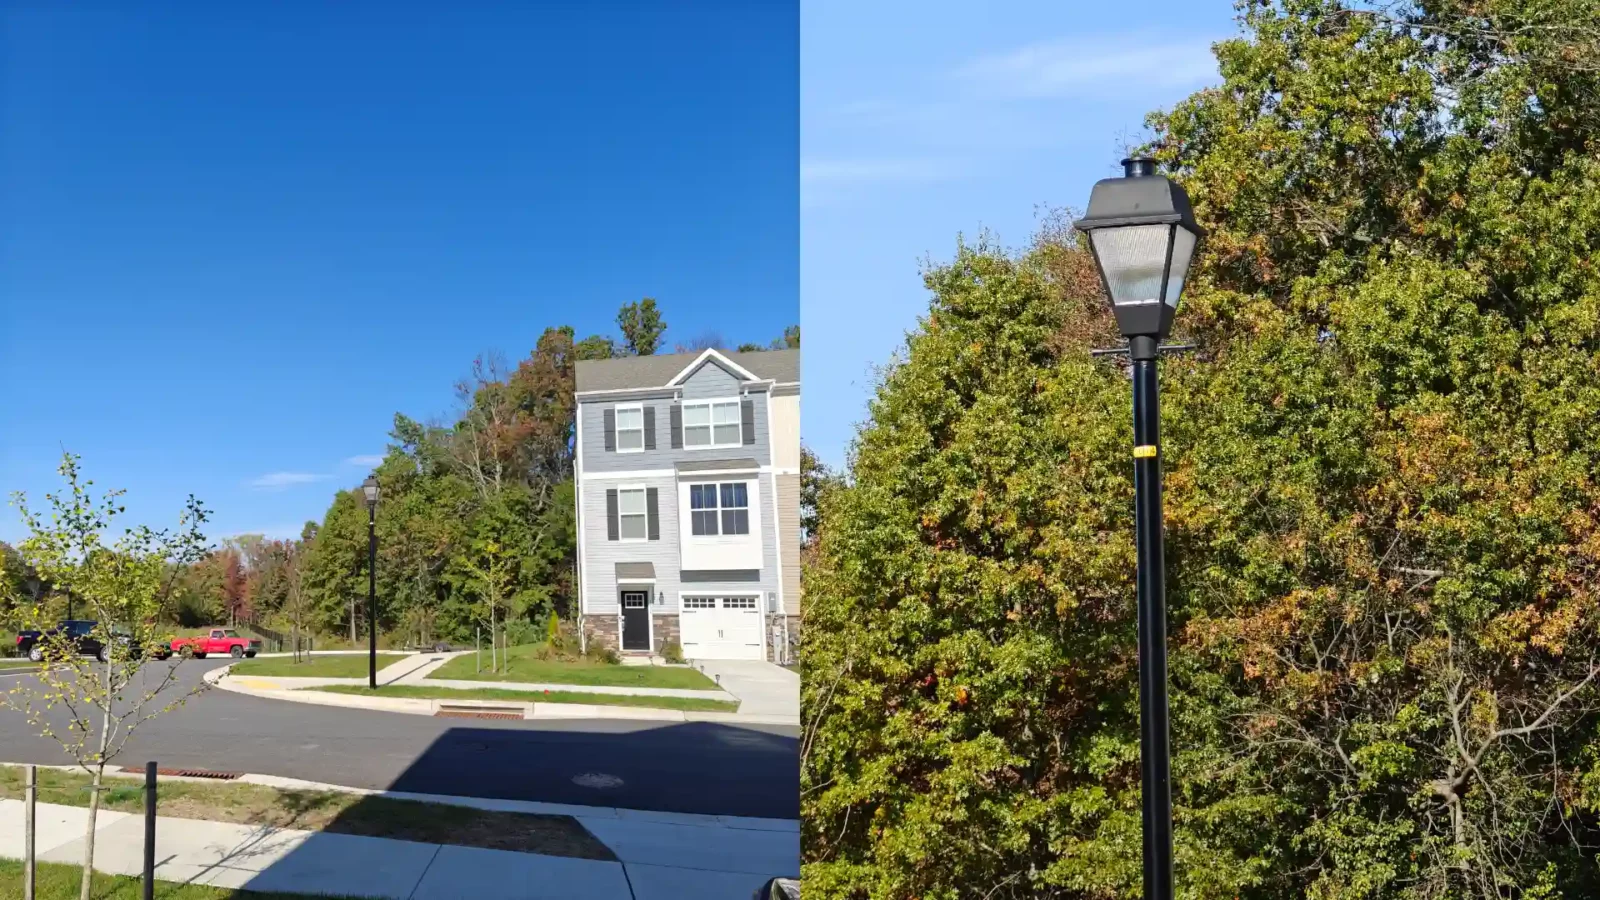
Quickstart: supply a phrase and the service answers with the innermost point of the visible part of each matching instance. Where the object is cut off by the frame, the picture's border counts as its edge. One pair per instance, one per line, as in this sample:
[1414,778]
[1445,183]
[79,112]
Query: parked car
[81,632]
[218,642]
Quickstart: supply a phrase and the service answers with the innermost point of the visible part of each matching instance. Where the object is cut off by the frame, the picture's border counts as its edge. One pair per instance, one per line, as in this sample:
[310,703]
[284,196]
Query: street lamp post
[1142,233]
[370,489]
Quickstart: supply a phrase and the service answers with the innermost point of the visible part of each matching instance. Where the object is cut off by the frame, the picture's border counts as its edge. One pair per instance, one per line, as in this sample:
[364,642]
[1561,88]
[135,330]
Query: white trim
[716,485]
[645,490]
[708,354]
[777,531]
[786,384]
[649,621]
[630,473]
[622,581]
[711,421]
[616,429]
[673,472]
[583,566]
[664,391]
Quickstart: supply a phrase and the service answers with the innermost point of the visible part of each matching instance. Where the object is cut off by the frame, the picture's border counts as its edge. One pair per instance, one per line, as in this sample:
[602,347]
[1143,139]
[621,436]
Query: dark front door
[635,620]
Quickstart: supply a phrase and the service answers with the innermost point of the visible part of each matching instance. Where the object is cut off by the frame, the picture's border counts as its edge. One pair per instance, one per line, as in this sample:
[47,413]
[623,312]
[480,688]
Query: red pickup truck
[218,641]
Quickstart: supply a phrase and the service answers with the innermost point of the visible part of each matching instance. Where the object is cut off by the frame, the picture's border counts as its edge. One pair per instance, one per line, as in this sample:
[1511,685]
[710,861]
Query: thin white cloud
[278,481]
[364,461]
[836,171]
[1078,66]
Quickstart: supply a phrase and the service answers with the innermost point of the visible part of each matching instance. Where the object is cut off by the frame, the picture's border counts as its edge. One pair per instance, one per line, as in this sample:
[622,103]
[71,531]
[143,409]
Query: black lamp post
[1142,233]
[370,489]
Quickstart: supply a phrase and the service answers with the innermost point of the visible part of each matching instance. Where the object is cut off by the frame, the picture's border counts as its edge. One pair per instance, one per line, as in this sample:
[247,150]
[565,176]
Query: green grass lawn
[330,811]
[60,882]
[318,666]
[525,667]
[443,693]
[16,663]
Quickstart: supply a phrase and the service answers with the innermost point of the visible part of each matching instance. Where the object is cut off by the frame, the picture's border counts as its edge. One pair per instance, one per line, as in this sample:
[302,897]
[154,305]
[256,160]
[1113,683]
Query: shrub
[672,652]
[606,655]
[521,631]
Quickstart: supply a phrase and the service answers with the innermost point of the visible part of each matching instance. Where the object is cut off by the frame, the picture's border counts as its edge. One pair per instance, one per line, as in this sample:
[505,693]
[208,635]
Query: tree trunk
[94,794]
[494,645]
[352,619]
[88,836]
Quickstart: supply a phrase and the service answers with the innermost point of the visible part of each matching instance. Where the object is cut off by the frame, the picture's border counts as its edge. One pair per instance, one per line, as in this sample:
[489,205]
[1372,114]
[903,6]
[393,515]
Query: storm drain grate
[476,714]
[187,773]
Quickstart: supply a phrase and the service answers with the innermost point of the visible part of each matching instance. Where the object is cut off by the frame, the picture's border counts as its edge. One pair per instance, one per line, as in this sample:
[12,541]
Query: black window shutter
[611,429]
[654,516]
[649,427]
[611,514]
[677,426]
[747,417]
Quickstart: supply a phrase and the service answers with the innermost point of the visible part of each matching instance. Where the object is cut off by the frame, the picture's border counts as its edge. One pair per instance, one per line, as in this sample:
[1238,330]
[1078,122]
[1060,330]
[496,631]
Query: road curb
[532,710]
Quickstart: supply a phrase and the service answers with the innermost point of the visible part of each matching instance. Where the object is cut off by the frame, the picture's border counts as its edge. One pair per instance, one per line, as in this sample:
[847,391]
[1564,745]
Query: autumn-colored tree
[1383,510]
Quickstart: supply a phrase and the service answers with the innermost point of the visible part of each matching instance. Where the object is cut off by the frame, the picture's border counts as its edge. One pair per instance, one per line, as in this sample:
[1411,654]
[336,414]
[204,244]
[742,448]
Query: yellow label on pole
[1144,451]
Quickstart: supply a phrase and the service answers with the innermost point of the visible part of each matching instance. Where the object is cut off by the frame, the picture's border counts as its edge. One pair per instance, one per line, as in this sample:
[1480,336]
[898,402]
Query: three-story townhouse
[688,503]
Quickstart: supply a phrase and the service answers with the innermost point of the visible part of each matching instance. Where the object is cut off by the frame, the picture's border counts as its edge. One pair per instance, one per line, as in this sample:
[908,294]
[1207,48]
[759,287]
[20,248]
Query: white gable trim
[710,353]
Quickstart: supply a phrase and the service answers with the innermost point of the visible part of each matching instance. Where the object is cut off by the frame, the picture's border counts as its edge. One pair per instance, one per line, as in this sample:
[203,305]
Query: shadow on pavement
[756,774]
[720,769]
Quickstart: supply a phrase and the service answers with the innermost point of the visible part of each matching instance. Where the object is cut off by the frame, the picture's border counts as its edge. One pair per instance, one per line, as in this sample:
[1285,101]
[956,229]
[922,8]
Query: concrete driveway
[762,688]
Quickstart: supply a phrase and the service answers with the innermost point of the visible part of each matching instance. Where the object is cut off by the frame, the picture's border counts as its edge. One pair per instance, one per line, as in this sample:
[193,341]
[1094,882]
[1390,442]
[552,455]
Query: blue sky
[925,119]
[236,238]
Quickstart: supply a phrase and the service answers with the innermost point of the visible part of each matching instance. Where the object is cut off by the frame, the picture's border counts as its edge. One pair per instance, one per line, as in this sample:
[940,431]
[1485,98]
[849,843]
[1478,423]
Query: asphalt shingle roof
[655,371]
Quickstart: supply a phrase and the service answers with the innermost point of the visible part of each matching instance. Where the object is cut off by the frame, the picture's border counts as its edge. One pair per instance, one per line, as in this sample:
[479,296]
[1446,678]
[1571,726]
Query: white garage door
[721,628]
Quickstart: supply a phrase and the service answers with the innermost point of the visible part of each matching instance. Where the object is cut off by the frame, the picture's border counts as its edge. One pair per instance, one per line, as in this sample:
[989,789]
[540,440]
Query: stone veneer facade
[601,630]
[666,631]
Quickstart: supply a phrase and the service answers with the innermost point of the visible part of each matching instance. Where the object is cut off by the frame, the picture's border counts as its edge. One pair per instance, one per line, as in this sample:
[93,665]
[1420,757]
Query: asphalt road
[684,767]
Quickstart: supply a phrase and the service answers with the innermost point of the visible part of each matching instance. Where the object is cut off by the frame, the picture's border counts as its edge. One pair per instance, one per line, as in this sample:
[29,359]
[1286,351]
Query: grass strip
[58,881]
[343,666]
[422,692]
[334,812]
[525,666]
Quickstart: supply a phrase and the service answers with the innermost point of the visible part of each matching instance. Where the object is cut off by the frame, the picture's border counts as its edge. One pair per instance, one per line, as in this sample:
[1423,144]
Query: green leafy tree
[1382,515]
[92,707]
[642,327]
[595,347]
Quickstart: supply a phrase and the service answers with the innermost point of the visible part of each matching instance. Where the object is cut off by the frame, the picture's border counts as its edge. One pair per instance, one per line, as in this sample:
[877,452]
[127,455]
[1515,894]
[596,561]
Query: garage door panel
[721,628]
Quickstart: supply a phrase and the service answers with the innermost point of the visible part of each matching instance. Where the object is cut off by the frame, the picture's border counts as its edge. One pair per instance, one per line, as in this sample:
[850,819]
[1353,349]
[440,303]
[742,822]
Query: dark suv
[79,631]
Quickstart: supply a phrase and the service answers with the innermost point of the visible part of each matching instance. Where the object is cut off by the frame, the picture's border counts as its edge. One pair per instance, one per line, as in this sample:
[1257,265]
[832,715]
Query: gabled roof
[666,370]
[712,353]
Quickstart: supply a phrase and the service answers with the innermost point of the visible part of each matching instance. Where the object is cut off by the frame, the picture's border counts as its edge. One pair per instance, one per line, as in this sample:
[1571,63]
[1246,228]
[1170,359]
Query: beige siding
[789,535]
[786,432]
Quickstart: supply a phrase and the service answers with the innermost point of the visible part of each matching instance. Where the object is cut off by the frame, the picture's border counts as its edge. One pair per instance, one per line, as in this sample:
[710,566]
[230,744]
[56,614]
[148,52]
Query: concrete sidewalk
[656,860]
[763,689]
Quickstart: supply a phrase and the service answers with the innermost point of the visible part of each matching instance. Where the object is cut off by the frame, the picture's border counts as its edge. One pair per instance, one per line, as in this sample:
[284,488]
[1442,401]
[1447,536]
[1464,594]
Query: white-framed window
[630,429]
[738,603]
[699,603]
[712,423]
[719,508]
[633,517]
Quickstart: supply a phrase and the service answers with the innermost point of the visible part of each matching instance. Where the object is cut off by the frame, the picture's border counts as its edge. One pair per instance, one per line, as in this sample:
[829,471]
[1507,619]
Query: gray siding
[709,381]
[789,534]
[597,459]
[602,555]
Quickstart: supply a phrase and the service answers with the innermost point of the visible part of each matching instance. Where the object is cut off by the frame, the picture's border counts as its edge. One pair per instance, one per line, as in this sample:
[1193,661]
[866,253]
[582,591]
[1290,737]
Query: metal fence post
[30,794]
[150,830]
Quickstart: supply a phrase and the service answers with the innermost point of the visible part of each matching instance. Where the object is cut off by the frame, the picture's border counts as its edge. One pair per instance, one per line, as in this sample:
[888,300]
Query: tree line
[476,522]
